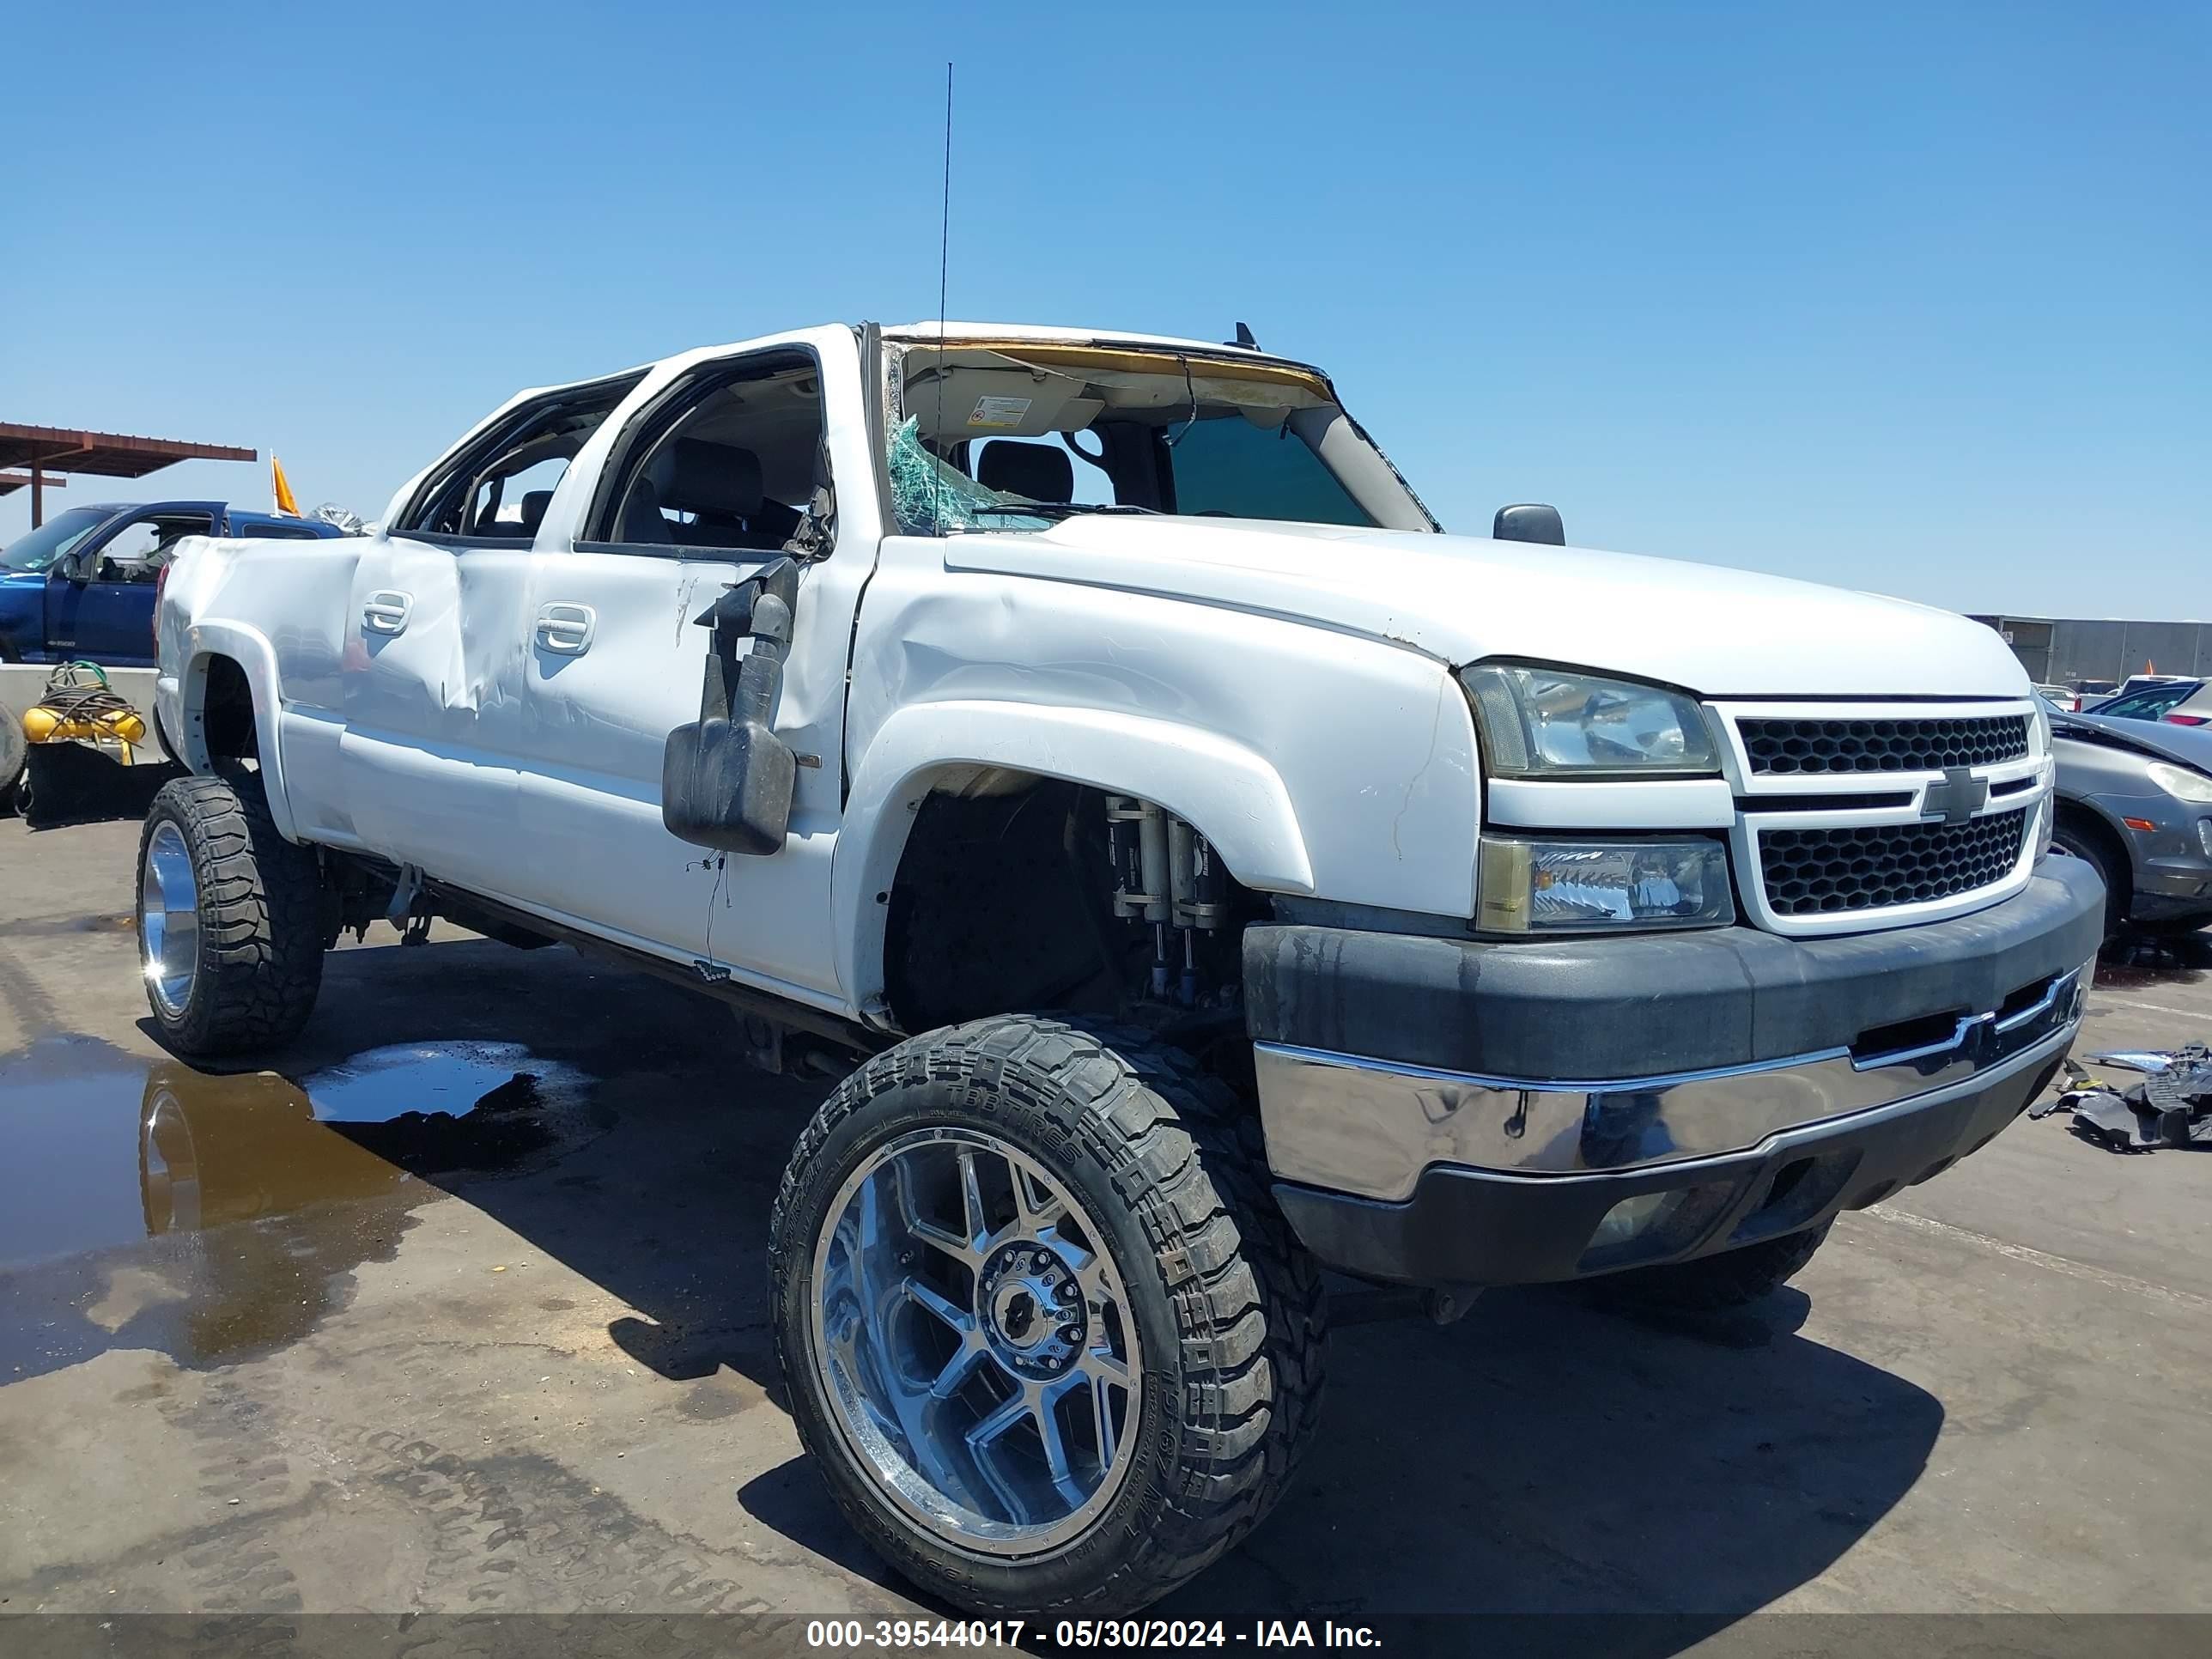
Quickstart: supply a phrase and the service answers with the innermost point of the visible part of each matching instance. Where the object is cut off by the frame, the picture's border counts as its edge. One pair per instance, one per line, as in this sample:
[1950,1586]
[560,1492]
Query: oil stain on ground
[217,1218]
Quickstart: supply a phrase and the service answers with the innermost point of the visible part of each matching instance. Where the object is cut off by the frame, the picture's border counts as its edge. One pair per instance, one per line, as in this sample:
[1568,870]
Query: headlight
[1545,722]
[1531,885]
[2181,782]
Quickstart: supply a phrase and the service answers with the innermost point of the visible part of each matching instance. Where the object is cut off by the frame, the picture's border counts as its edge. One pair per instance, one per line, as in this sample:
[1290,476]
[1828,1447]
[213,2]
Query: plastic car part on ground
[2135,1060]
[2171,1107]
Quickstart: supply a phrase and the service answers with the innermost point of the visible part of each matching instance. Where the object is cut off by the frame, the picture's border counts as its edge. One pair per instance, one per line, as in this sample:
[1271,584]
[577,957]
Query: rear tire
[1150,1168]
[229,920]
[1713,1284]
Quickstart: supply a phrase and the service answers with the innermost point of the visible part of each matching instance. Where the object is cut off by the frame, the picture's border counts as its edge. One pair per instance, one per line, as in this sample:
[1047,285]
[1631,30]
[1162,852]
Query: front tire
[229,920]
[2076,842]
[1046,1337]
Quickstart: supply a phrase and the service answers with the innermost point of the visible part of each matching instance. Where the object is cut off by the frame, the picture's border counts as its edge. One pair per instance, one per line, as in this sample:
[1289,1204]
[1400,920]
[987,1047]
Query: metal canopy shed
[40,450]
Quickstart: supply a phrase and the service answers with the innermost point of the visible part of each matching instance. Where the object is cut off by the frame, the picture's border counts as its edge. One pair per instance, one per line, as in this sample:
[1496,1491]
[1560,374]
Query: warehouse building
[2061,651]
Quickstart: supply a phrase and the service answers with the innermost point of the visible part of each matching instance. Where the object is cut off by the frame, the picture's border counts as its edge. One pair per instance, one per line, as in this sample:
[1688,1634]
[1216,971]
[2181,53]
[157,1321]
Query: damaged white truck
[1203,870]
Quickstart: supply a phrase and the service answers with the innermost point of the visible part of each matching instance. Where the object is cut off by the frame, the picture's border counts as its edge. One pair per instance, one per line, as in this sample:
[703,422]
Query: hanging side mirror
[726,779]
[1528,522]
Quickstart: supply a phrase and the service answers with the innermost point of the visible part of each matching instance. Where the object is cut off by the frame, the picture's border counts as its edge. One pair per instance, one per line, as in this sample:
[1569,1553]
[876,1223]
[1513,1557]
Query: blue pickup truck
[82,584]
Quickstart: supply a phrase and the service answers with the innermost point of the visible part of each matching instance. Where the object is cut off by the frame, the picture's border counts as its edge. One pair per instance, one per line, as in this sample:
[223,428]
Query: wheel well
[1000,903]
[227,723]
[2089,827]
[1003,900]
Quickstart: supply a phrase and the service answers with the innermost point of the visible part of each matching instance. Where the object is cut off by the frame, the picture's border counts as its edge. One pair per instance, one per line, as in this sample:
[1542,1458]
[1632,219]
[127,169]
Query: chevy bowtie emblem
[1958,797]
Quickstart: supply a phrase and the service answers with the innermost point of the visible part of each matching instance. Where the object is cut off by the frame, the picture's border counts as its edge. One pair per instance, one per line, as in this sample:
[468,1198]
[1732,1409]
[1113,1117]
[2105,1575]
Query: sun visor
[998,403]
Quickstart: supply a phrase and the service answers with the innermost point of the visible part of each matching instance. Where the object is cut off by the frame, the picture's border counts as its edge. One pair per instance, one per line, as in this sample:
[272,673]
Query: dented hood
[1713,630]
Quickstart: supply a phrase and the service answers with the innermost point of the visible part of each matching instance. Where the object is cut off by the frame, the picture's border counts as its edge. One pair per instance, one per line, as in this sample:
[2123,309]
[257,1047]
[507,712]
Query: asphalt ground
[337,1337]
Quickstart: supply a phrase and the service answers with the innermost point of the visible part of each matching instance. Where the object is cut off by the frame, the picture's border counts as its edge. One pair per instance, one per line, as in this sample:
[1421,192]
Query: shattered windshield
[1006,437]
[928,493]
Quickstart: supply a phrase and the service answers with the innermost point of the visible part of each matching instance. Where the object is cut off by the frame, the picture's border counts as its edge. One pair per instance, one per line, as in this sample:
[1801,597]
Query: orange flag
[281,489]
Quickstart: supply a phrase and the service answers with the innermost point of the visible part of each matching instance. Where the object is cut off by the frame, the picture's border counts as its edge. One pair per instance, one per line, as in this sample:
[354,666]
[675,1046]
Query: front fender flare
[1228,792]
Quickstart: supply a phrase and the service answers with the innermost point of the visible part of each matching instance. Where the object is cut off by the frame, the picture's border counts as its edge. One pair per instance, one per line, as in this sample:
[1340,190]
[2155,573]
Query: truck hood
[1708,629]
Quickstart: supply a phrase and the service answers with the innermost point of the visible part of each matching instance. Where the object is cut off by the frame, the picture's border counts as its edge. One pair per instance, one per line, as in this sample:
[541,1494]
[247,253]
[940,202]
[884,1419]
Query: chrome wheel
[169,920]
[972,1335]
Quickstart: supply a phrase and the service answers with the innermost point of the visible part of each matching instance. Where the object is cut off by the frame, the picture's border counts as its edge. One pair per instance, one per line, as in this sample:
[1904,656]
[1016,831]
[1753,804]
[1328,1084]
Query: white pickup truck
[1202,870]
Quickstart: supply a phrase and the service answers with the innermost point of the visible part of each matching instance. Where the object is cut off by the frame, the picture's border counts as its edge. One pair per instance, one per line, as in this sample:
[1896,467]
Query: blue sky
[1913,299]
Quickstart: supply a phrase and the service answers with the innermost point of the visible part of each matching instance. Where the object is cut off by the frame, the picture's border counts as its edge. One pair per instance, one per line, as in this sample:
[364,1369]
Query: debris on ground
[2134,1060]
[2171,1107]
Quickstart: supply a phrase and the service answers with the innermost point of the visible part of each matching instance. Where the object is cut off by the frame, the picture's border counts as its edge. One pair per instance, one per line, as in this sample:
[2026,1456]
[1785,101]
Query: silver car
[2184,702]
[2135,801]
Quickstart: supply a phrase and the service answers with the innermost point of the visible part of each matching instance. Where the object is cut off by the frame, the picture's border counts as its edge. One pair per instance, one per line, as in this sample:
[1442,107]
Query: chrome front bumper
[1371,1127]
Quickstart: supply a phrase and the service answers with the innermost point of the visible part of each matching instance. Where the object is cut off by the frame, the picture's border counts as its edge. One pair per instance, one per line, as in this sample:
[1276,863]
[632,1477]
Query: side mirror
[1528,522]
[726,779]
[727,783]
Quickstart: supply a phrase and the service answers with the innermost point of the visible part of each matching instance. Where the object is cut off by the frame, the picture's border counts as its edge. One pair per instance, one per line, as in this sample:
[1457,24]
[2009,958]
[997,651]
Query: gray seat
[640,515]
[720,480]
[721,485]
[1042,472]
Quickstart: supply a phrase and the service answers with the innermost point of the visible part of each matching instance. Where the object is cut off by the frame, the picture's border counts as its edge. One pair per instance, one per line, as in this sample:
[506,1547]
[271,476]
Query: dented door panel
[597,721]
[588,746]
[431,693]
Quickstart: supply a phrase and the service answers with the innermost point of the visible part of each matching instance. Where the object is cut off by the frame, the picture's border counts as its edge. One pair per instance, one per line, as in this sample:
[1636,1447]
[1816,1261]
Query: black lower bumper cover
[1645,1006]
[1479,1227]
[1657,1003]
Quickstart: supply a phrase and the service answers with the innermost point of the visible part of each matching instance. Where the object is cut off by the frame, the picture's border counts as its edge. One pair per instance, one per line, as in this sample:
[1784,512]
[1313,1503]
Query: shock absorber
[1137,832]
[1200,896]
[1181,893]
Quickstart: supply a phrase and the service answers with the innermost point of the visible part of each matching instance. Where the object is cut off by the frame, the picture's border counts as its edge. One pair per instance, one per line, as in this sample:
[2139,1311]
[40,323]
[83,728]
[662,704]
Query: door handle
[566,628]
[386,611]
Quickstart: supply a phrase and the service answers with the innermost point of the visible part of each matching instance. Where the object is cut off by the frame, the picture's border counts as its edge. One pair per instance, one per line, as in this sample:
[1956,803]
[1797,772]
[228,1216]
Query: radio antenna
[943,265]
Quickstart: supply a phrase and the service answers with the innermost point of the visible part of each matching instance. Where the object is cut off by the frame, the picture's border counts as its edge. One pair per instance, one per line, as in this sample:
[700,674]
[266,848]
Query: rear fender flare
[250,650]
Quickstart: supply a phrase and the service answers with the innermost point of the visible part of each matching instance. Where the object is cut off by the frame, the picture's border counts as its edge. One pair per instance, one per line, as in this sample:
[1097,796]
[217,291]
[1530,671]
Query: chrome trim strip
[1371,1127]
[1963,1033]
[2060,987]
[1798,1134]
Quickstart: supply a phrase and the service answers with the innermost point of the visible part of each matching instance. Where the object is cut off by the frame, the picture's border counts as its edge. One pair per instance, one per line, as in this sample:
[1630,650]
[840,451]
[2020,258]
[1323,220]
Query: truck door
[431,679]
[100,603]
[707,475]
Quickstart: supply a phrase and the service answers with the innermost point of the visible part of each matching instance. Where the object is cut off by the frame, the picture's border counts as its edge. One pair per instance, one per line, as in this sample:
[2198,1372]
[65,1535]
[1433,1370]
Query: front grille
[1814,872]
[1808,747]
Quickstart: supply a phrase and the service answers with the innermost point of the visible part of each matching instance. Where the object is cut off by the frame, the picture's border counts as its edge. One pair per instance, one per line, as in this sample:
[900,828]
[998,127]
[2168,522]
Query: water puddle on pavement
[152,1205]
